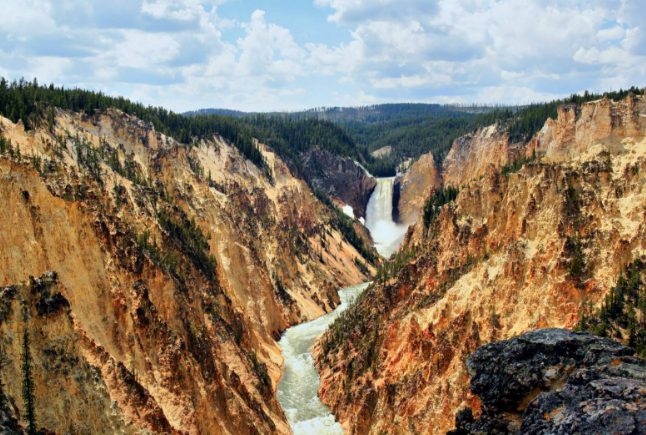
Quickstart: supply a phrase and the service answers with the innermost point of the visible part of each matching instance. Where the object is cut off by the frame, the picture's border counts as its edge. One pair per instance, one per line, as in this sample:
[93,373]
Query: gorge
[179,287]
[323,217]
[298,387]
[521,247]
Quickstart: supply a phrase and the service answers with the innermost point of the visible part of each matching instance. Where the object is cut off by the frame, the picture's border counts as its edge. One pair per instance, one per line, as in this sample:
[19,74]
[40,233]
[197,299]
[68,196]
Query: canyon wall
[154,278]
[513,253]
[414,187]
[340,177]
[475,155]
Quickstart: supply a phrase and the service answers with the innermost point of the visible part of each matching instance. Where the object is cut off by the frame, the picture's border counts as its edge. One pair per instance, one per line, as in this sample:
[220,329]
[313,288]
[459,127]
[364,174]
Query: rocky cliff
[477,155]
[340,177]
[154,278]
[414,187]
[599,123]
[513,253]
[554,381]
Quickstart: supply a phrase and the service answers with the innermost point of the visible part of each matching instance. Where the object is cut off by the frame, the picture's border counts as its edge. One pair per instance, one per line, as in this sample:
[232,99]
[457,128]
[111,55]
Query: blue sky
[287,54]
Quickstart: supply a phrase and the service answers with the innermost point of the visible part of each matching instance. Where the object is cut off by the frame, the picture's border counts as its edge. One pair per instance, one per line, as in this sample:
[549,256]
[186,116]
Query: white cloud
[351,11]
[513,94]
[504,49]
[143,50]
[292,92]
[611,34]
[359,99]
[178,52]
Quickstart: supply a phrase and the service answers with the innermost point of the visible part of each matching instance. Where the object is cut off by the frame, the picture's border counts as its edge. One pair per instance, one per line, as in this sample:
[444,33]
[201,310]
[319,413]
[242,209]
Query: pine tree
[4,361]
[28,385]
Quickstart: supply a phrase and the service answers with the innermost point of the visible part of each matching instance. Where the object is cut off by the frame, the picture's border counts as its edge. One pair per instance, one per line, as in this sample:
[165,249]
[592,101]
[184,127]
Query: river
[298,388]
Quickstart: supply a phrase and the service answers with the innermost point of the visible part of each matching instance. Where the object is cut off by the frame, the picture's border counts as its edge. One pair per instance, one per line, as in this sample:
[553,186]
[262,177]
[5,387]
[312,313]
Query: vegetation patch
[433,205]
[622,314]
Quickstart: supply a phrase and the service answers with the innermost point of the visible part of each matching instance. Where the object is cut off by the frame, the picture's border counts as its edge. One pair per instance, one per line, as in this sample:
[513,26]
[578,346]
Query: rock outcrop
[167,272]
[382,152]
[554,381]
[511,254]
[476,155]
[598,123]
[340,177]
[414,187]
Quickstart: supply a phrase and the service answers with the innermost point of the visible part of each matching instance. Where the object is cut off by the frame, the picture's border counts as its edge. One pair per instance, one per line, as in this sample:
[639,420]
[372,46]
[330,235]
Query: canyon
[517,250]
[177,288]
[154,278]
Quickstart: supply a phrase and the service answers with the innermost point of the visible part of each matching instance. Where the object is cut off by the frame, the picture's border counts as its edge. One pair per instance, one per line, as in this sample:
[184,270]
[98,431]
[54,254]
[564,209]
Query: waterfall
[298,387]
[386,234]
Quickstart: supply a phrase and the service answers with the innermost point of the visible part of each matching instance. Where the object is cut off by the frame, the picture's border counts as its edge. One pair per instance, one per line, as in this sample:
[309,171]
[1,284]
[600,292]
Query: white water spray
[386,234]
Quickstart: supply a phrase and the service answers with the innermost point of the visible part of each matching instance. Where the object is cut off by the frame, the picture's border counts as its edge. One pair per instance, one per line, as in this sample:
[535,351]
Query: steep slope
[168,273]
[340,177]
[412,189]
[513,253]
[474,156]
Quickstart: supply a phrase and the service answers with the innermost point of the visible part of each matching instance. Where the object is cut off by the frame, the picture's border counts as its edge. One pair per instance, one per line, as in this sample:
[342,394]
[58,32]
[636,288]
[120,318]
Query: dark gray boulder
[555,381]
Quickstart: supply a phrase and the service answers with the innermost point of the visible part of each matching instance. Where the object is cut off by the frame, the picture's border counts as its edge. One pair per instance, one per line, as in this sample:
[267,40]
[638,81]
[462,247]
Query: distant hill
[388,112]
[411,129]
[362,114]
[221,112]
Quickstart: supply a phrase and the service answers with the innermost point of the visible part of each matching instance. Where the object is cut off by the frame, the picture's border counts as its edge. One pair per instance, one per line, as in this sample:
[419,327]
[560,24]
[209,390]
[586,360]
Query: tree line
[33,104]
[292,136]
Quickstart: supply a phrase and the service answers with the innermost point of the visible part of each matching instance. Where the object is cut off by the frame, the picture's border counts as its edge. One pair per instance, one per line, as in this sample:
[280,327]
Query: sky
[263,55]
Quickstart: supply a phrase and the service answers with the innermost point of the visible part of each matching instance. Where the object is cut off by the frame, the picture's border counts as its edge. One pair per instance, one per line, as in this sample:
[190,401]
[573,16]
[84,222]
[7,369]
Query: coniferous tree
[4,361]
[28,385]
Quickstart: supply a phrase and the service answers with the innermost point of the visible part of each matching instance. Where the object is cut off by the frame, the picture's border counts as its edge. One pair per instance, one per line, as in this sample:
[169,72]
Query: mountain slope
[165,273]
[515,251]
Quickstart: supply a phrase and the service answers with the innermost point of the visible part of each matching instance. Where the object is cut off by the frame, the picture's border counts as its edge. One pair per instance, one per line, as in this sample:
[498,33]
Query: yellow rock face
[474,156]
[146,335]
[495,264]
[415,186]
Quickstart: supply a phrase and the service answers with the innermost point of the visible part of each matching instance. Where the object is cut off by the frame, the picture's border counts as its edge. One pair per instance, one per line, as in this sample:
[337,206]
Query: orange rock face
[175,269]
[474,156]
[415,186]
[496,263]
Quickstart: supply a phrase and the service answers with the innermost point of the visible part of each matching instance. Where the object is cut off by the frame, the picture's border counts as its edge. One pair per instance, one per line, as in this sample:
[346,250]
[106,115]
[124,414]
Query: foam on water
[386,234]
[297,389]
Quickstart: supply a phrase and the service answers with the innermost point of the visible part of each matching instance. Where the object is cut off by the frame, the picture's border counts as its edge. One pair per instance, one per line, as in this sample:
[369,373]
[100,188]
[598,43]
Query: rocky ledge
[555,381]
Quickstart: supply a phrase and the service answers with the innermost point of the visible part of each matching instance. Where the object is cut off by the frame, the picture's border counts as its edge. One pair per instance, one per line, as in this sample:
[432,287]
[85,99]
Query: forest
[622,314]
[434,131]
[34,104]
[410,129]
